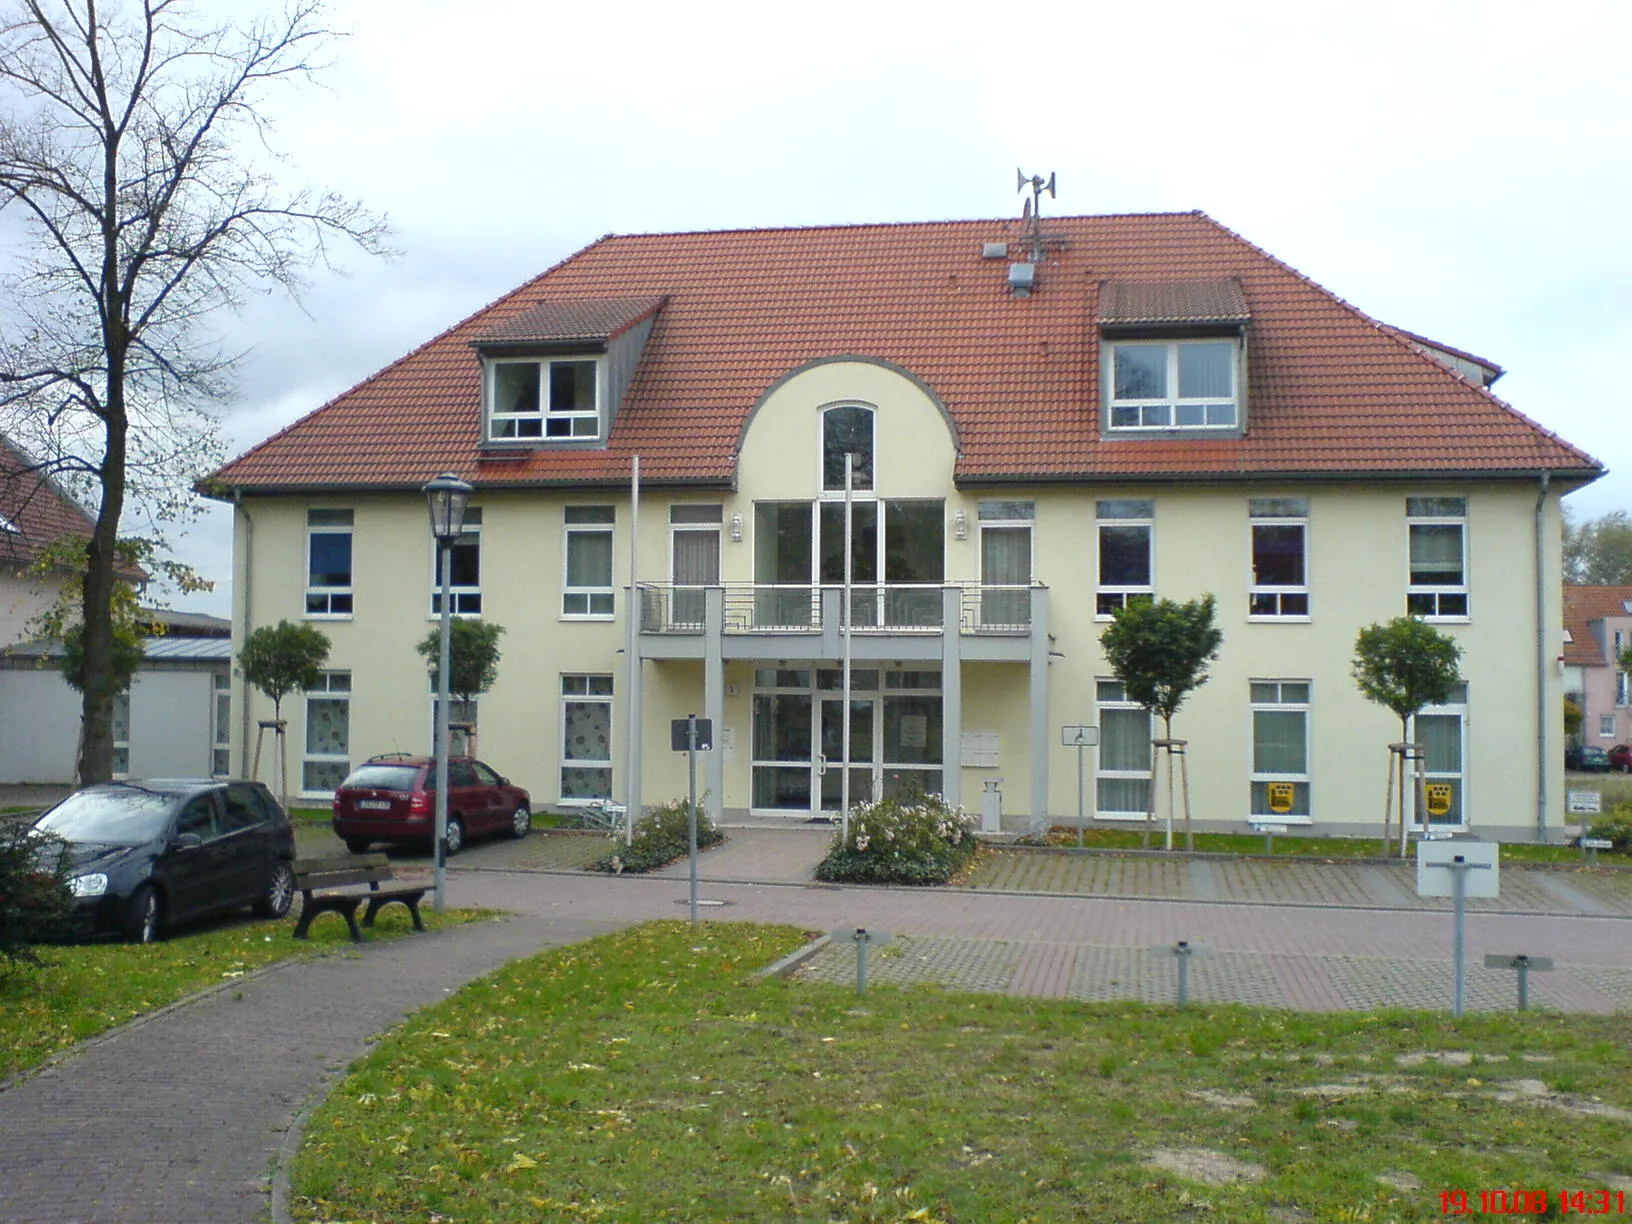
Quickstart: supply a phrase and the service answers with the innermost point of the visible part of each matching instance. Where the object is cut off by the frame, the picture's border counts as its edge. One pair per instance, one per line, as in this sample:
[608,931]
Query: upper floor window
[1280,580]
[1126,527]
[847,430]
[588,587]
[1180,384]
[1437,535]
[1006,562]
[328,563]
[545,399]
[464,569]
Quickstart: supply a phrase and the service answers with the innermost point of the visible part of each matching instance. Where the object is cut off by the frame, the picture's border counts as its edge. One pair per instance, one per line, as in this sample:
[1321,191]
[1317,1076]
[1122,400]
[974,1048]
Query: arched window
[847,429]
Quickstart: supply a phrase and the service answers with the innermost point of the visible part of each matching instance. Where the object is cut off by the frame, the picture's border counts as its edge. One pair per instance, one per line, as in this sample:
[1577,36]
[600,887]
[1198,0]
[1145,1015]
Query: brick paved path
[177,1119]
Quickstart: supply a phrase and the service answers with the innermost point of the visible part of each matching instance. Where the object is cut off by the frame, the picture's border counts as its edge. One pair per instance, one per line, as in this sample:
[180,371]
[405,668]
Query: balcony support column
[952,694]
[714,696]
[1039,708]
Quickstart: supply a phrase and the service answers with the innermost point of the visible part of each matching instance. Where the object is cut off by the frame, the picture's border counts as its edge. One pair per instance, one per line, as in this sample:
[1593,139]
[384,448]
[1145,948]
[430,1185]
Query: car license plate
[375,805]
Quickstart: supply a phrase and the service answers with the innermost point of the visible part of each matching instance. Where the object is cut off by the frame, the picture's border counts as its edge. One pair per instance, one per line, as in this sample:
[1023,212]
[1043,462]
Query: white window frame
[326,601]
[688,519]
[1606,726]
[1434,512]
[1129,512]
[221,725]
[582,688]
[1162,415]
[1456,705]
[857,484]
[1109,695]
[545,424]
[598,602]
[1008,515]
[334,686]
[466,597]
[1278,603]
[1280,697]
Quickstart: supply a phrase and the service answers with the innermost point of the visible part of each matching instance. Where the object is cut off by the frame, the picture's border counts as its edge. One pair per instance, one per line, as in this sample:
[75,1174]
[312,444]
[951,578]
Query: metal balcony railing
[667,608]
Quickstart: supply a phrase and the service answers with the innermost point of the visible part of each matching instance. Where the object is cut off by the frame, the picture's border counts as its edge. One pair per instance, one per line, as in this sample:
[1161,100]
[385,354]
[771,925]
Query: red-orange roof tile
[1331,392]
[34,510]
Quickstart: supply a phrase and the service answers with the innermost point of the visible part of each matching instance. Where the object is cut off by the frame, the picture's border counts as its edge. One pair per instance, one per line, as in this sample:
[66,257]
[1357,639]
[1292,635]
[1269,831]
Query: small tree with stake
[281,659]
[1159,650]
[1405,665]
[473,656]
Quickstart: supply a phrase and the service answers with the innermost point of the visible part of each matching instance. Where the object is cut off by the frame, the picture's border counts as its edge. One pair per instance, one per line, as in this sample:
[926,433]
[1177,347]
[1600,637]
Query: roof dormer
[1174,358]
[555,375]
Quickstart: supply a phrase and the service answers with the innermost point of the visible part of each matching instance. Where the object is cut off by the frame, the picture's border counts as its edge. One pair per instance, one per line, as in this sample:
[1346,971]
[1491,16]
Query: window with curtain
[694,535]
[587,590]
[586,737]
[1436,532]
[1280,749]
[327,758]
[1123,762]
[1442,732]
[1005,563]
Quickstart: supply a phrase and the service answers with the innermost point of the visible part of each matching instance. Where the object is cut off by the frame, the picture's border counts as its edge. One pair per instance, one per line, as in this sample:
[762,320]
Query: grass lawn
[1125,838]
[86,989]
[650,1076]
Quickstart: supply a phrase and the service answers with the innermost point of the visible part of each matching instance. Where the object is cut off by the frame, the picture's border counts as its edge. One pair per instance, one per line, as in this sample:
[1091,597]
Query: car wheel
[280,892]
[521,821]
[142,919]
[455,839]
[357,845]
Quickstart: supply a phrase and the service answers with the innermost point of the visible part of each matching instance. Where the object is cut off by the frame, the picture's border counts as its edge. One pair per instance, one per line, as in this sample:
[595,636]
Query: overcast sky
[1458,168]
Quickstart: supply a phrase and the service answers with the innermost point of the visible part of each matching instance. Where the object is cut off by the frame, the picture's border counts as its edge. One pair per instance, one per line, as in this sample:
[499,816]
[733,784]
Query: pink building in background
[1597,629]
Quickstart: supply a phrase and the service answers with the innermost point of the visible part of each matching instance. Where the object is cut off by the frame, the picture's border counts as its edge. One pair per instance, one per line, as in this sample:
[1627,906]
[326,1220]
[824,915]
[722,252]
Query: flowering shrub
[660,838]
[916,840]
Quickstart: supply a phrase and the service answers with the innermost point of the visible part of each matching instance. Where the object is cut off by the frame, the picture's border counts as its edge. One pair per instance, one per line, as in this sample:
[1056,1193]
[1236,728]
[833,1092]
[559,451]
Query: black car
[146,856]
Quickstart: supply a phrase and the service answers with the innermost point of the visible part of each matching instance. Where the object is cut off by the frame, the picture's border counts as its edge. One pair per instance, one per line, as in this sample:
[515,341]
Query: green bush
[34,898]
[1617,826]
[660,838]
[917,840]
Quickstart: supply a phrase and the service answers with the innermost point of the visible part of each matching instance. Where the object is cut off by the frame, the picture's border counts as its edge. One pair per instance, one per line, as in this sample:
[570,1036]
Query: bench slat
[336,878]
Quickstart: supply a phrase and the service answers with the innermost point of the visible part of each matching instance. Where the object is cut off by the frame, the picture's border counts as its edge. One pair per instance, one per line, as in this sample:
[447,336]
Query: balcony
[895,621]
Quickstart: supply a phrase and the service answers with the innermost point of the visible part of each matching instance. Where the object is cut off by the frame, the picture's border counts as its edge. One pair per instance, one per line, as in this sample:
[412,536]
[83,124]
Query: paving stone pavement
[178,1119]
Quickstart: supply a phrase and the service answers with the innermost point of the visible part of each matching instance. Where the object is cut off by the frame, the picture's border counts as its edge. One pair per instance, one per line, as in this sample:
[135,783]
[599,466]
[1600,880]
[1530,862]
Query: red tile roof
[33,509]
[1215,301]
[1331,391]
[1582,606]
[564,321]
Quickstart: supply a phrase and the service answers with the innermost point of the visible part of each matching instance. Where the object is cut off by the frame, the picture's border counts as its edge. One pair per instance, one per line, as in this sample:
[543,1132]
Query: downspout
[247,591]
[1544,660]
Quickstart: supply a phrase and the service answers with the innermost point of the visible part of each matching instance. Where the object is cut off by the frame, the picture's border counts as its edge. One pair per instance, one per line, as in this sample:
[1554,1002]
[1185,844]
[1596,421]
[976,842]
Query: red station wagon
[392,798]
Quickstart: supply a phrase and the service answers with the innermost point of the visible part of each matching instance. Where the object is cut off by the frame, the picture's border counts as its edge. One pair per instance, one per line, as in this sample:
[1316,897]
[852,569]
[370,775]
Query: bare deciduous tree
[134,149]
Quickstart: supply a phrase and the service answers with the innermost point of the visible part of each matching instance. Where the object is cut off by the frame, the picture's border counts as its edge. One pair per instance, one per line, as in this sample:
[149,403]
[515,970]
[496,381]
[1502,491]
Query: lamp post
[446,497]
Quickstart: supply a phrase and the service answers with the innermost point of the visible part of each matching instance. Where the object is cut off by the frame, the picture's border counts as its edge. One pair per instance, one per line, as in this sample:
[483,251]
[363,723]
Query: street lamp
[446,497]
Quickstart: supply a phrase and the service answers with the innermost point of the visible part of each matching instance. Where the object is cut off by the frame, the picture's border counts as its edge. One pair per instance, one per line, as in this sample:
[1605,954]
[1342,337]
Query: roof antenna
[1033,210]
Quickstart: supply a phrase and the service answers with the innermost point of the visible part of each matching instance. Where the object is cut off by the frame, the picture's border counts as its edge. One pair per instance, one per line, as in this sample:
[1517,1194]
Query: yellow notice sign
[1280,797]
[1439,798]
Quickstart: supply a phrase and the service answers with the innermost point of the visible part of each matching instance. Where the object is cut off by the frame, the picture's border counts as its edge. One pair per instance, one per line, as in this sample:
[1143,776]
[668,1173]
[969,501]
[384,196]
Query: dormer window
[1182,384]
[544,399]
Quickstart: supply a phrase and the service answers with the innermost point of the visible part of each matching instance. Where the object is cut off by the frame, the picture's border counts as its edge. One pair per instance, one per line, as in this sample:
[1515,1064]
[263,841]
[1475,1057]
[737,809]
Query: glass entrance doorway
[798,738]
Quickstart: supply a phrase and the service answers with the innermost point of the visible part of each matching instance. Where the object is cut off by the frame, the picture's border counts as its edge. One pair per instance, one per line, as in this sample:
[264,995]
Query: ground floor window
[1280,749]
[586,738]
[1122,778]
[1442,730]
[327,758]
[895,745]
[221,726]
[461,722]
[121,734]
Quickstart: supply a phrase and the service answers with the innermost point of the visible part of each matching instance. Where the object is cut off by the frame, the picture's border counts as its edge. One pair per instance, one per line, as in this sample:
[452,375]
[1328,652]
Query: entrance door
[831,765]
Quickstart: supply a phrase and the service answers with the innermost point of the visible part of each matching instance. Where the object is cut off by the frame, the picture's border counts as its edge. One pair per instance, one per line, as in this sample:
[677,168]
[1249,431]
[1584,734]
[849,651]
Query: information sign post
[1459,869]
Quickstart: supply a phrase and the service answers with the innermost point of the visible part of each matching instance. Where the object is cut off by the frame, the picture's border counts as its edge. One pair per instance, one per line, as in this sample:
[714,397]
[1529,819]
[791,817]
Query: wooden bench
[332,884]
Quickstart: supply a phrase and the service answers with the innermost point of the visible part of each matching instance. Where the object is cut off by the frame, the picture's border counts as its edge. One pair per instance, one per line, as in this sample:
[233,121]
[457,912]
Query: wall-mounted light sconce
[960,525]
[736,528]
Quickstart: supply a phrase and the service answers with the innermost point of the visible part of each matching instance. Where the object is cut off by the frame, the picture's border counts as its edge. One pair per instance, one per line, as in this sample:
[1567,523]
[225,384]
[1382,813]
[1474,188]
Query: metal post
[1523,963]
[862,939]
[1182,952]
[691,807]
[846,612]
[1459,890]
[1081,800]
[444,653]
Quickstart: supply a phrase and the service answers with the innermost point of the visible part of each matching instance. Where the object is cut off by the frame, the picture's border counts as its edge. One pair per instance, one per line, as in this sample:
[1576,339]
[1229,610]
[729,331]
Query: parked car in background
[1588,759]
[1620,757]
[146,856]
[392,798]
